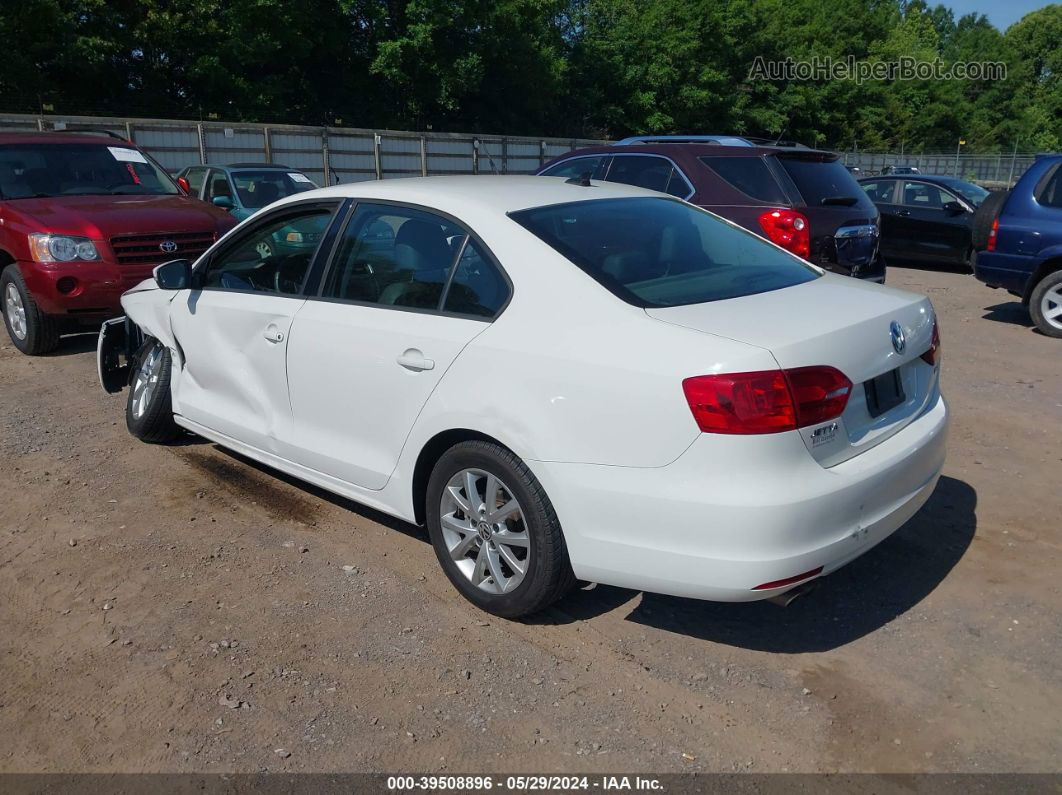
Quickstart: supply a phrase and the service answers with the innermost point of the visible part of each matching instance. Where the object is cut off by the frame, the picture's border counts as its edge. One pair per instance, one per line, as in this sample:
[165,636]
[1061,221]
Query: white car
[563,381]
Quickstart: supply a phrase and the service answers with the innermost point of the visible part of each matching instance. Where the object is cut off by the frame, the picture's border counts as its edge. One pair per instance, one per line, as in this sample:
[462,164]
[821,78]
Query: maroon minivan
[82,219]
[803,199]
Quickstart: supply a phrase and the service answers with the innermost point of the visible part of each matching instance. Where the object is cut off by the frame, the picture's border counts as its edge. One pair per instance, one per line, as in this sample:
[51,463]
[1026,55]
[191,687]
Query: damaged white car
[563,380]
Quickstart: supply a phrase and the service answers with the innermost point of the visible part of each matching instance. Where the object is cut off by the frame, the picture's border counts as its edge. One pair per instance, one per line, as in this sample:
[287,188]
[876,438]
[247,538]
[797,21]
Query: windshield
[45,170]
[974,194]
[661,252]
[259,188]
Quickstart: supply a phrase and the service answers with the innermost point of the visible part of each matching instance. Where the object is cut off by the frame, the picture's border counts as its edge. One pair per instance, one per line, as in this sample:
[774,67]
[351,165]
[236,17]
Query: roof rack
[109,133]
[711,140]
[718,140]
[255,165]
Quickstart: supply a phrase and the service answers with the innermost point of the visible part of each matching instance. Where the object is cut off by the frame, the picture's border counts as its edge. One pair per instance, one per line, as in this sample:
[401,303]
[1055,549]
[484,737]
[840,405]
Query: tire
[1046,300]
[31,331]
[148,410]
[480,569]
[984,216]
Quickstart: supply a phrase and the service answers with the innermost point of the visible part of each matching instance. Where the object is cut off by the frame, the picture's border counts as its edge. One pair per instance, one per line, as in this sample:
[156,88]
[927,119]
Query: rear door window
[750,175]
[820,180]
[648,171]
[924,196]
[880,192]
[195,177]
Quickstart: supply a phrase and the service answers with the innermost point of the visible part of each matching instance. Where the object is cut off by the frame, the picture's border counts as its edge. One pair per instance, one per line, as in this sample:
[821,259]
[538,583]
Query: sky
[1001,13]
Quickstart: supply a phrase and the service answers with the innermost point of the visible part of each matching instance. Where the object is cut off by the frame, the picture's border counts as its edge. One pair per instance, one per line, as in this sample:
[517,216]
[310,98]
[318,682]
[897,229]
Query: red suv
[82,219]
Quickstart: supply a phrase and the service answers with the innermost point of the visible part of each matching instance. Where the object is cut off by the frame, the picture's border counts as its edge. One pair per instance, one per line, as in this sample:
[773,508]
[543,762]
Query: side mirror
[174,275]
[182,183]
[224,202]
[954,208]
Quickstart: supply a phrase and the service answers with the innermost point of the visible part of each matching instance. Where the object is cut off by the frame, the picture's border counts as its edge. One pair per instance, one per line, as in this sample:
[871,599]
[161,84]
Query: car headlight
[62,248]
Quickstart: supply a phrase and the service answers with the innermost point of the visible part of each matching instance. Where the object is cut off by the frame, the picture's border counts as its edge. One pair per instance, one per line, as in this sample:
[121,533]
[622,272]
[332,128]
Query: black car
[802,199]
[924,218]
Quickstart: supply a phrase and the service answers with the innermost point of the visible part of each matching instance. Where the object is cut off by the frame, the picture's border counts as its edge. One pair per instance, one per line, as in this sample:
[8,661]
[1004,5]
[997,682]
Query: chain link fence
[328,155]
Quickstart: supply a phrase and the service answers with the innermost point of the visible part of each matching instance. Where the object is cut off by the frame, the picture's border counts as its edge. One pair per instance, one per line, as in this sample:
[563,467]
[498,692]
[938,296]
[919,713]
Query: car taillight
[932,356]
[789,229]
[769,401]
[992,234]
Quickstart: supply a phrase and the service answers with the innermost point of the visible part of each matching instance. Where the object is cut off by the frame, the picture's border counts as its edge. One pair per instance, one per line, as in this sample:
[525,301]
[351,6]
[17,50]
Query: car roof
[694,149]
[493,193]
[244,166]
[60,137]
[934,178]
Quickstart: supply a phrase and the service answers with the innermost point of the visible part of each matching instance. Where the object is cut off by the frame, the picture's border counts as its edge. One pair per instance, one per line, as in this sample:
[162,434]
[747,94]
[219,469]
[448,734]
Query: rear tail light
[788,229]
[932,356]
[992,235]
[769,401]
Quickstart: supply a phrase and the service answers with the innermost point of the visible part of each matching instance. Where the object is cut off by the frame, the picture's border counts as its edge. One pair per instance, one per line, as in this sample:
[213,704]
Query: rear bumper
[1009,271]
[733,513]
[93,294]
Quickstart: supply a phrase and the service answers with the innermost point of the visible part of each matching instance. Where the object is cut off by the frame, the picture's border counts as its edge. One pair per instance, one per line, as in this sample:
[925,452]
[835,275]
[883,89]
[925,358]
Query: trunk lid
[841,322]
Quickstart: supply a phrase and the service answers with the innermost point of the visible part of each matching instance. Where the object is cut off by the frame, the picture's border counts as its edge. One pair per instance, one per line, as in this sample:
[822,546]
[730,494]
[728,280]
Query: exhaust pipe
[790,596]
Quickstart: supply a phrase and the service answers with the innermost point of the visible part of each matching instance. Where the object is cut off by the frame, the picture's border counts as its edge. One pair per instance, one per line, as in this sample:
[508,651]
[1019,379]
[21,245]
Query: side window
[879,192]
[218,186]
[677,185]
[750,175]
[477,288]
[195,177]
[576,167]
[394,256]
[643,171]
[1051,194]
[925,196]
[273,257]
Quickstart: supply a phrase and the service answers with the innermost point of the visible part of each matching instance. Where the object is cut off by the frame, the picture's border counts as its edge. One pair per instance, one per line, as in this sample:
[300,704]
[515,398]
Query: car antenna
[778,140]
[583,180]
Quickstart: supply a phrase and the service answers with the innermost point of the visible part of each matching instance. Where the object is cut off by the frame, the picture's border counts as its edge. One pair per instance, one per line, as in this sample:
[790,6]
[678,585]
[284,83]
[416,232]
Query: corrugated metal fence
[328,155]
[989,169]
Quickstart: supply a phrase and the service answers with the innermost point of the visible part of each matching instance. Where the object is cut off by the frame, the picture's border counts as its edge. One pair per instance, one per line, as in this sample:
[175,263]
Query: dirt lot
[181,609]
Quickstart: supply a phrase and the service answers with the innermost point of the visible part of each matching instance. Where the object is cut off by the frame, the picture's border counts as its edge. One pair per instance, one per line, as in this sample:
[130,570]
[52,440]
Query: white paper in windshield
[127,155]
[299,177]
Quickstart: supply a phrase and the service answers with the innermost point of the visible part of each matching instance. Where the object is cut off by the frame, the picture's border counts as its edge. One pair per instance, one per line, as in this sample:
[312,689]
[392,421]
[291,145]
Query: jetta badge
[167,246]
[899,341]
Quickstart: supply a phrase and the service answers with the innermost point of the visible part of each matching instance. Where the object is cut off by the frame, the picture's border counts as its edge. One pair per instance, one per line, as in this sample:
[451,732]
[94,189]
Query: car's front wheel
[1045,304]
[149,412]
[495,532]
[31,330]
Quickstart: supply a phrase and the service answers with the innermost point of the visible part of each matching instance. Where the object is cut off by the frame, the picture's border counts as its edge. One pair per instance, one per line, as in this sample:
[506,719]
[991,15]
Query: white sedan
[563,381]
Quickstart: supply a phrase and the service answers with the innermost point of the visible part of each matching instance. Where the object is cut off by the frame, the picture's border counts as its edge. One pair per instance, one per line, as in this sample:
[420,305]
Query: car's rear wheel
[31,330]
[148,411]
[1045,304]
[495,532]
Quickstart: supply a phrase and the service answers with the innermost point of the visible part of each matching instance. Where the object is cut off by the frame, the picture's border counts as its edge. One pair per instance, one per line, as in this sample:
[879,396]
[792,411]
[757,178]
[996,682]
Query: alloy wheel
[485,532]
[15,311]
[1050,306]
[147,379]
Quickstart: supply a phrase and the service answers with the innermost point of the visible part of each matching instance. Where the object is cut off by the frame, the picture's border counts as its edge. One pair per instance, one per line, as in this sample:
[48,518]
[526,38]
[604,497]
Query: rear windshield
[661,252]
[821,181]
[259,188]
[45,170]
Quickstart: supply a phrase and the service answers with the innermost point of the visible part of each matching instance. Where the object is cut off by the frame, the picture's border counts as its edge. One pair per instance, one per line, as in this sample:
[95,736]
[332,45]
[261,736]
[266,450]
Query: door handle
[273,334]
[413,359]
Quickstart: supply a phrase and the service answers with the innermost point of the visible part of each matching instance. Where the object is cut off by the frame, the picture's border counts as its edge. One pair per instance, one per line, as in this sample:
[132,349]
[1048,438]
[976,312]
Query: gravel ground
[179,608]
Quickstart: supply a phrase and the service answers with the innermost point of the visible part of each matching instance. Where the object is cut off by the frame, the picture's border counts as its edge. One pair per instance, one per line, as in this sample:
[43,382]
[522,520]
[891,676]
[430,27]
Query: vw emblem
[899,341]
[167,246]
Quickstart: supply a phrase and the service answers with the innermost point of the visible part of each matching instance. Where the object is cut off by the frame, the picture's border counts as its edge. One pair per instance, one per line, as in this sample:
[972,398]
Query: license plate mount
[884,392]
